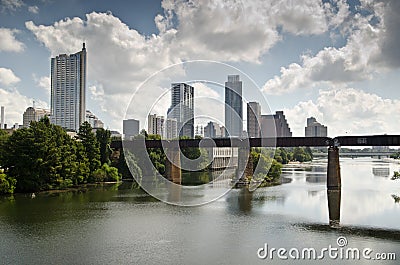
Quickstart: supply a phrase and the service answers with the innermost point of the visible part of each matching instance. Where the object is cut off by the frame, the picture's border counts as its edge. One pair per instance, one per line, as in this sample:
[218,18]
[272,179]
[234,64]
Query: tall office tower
[253,119]
[315,129]
[182,108]
[130,128]
[212,130]
[2,121]
[171,128]
[155,124]
[275,125]
[68,89]
[233,106]
[33,114]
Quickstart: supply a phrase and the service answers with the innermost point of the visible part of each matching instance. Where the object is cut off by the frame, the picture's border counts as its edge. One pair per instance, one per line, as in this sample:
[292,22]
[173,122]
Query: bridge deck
[374,140]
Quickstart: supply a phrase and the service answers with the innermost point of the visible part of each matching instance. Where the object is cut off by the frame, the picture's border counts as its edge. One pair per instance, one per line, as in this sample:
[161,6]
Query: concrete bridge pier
[333,173]
[173,168]
[334,186]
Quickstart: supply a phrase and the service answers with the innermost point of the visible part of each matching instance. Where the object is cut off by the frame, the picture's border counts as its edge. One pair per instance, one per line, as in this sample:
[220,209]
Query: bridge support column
[334,197]
[333,174]
[173,168]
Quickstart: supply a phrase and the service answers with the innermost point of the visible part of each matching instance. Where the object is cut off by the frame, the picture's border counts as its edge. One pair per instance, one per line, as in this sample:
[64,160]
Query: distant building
[92,119]
[182,108]
[199,130]
[224,157]
[171,129]
[233,106]
[68,90]
[33,114]
[315,129]
[275,125]
[2,121]
[212,130]
[130,128]
[253,119]
[155,124]
[223,131]
[116,134]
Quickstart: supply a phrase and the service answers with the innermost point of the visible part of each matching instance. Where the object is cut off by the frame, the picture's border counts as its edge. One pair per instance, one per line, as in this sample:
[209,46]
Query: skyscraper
[68,89]
[233,106]
[275,125]
[2,118]
[171,128]
[182,108]
[253,119]
[130,128]
[315,129]
[155,124]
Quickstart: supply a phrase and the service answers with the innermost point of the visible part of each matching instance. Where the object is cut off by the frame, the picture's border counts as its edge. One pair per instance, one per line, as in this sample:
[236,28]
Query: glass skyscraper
[182,108]
[233,107]
[68,89]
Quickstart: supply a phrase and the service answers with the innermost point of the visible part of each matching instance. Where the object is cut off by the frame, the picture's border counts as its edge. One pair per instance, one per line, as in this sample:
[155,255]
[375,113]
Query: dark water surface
[114,224]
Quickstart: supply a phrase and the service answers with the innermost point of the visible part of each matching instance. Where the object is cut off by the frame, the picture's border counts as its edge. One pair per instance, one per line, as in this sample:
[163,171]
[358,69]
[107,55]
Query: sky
[335,60]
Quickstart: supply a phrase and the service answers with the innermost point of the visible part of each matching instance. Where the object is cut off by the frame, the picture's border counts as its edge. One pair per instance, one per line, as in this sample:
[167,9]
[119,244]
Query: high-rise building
[233,106]
[275,125]
[2,121]
[93,120]
[315,129]
[182,108]
[130,128]
[155,124]
[68,89]
[212,130]
[171,128]
[253,119]
[33,114]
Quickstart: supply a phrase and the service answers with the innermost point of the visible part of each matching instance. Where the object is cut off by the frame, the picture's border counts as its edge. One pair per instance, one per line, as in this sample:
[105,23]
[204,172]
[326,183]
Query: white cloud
[120,58]
[11,5]
[33,9]
[347,111]
[8,42]
[15,104]
[43,82]
[7,77]
[371,48]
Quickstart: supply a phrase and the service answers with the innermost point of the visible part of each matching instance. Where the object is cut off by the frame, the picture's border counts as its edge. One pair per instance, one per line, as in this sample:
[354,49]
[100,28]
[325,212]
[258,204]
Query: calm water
[120,225]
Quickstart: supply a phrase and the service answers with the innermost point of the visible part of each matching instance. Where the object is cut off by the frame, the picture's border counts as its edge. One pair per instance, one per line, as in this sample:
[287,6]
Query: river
[115,224]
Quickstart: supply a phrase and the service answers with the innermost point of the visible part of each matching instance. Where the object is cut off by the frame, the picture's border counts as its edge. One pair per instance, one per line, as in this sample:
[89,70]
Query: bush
[105,173]
[7,184]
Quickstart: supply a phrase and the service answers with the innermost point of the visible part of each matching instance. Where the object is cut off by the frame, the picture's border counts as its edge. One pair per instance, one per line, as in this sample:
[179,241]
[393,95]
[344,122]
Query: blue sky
[335,60]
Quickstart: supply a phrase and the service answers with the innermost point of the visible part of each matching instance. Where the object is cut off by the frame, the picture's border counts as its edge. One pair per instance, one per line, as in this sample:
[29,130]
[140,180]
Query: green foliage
[42,157]
[396,175]
[91,146]
[7,184]
[105,173]
[195,153]
[265,168]
[302,155]
[122,165]
[156,155]
[104,139]
[3,140]
[395,155]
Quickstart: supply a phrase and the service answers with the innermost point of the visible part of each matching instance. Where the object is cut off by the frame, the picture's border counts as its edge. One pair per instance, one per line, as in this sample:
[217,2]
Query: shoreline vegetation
[44,157]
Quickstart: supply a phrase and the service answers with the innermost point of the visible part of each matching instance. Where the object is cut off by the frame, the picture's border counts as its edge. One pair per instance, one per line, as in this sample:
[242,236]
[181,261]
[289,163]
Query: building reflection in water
[381,171]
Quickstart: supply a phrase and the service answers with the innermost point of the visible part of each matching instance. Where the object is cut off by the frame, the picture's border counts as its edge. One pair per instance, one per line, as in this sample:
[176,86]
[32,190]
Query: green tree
[104,138]
[7,184]
[3,141]
[105,173]
[91,146]
[122,165]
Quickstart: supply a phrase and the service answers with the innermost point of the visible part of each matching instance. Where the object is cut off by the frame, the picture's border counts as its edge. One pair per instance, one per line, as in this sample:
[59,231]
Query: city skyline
[335,60]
